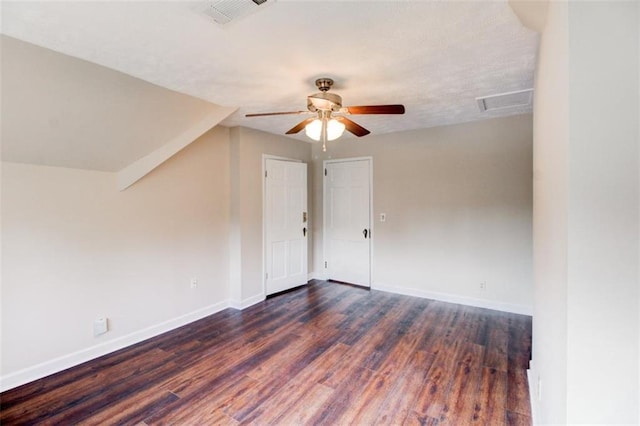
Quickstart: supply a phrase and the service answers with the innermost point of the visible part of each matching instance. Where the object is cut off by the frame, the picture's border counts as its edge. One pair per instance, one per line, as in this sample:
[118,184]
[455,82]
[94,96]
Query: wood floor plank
[372,347]
[340,403]
[400,401]
[359,321]
[203,407]
[365,406]
[432,397]
[519,348]
[482,330]
[471,354]
[279,361]
[324,353]
[491,399]
[289,366]
[282,400]
[132,410]
[197,389]
[415,419]
[518,392]
[406,345]
[241,408]
[458,404]
[399,339]
[515,419]
[200,407]
[466,323]
[73,400]
[497,346]
[307,406]
[217,367]
[31,391]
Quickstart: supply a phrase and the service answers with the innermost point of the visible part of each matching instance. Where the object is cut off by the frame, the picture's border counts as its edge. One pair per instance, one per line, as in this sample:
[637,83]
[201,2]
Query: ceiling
[433,57]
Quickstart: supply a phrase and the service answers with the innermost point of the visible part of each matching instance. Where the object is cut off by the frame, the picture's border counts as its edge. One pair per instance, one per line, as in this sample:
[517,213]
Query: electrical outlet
[100,326]
[483,285]
[194,283]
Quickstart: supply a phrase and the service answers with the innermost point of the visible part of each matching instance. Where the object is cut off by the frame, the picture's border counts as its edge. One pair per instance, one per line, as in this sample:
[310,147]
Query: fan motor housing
[324,101]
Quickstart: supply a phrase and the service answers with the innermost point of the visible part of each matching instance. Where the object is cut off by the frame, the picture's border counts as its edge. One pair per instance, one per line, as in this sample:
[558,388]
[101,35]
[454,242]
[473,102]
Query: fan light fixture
[335,129]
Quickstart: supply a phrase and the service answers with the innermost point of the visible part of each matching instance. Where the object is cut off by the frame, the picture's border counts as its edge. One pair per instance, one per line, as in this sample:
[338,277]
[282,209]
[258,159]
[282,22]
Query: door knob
[365,232]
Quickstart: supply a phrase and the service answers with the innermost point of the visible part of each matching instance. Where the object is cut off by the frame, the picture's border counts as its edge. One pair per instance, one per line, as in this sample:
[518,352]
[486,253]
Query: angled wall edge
[140,168]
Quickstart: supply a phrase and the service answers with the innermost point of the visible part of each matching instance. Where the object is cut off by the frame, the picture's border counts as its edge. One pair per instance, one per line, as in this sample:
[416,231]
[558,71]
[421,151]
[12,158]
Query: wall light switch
[383,217]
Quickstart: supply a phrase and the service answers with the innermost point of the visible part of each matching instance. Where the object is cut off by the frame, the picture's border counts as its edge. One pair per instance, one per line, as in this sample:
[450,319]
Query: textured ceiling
[433,57]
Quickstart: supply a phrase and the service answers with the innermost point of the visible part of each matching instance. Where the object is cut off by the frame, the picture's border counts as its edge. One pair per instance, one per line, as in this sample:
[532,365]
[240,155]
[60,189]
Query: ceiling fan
[330,122]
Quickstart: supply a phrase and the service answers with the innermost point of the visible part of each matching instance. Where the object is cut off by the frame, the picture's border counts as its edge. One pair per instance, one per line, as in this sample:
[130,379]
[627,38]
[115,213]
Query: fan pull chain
[324,132]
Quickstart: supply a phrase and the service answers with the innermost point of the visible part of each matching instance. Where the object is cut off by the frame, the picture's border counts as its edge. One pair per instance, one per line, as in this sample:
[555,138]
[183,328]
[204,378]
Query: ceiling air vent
[225,11]
[520,98]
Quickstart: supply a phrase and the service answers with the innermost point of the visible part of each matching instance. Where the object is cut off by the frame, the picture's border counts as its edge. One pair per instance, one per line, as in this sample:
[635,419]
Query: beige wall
[550,207]
[74,248]
[248,148]
[586,215]
[458,204]
[603,218]
[54,103]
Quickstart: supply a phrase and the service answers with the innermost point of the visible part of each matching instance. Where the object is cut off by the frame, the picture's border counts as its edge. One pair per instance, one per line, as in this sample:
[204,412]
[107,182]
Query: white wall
[74,248]
[603,213]
[550,211]
[458,201]
[586,215]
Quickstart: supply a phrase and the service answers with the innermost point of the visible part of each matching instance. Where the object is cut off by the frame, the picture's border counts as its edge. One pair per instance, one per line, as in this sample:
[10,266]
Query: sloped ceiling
[433,56]
[62,111]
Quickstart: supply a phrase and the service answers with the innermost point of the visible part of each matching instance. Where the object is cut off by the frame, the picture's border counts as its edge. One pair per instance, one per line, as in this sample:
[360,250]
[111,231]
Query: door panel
[347,215]
[286,243]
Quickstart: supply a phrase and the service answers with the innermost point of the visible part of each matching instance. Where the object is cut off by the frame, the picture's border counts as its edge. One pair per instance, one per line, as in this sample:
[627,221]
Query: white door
[347,221]
[286,225]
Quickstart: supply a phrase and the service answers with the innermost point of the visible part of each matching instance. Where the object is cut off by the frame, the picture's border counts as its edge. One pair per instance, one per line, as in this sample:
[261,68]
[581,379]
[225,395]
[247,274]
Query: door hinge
[265,173]
[325,265]
[325,172]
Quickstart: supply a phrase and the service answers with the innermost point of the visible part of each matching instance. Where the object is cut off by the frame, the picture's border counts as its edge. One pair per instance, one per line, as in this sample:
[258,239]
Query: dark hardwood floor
[325,354]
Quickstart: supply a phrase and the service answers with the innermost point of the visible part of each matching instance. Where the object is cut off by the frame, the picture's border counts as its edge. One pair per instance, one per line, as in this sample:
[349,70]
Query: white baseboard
[244,304]
[533,401]
[316,276]
[454,298]
[56,365]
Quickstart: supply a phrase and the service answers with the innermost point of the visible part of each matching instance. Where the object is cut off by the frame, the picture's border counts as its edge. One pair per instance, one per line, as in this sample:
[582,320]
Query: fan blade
[301,125]
[263,114]
[375,109]
[353,127]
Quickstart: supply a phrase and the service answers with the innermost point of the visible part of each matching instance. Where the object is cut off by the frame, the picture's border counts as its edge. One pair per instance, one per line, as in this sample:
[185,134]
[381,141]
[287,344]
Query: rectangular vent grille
[225,11]
[520,98]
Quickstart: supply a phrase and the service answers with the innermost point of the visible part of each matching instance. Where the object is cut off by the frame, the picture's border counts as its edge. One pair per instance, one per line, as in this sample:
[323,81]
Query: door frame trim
[324,213]
[266,157]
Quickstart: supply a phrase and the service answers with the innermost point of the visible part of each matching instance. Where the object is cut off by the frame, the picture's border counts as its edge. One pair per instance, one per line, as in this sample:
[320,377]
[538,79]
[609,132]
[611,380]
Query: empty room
[320,212]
